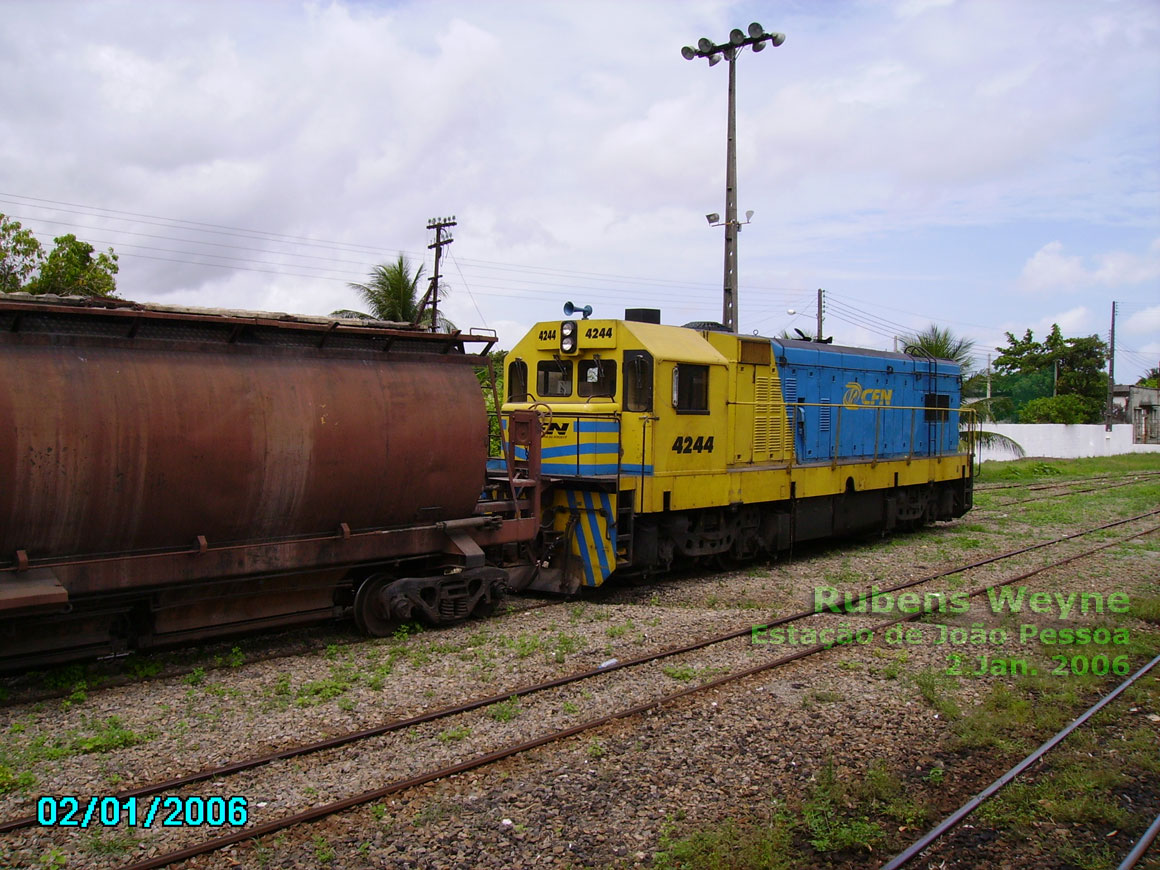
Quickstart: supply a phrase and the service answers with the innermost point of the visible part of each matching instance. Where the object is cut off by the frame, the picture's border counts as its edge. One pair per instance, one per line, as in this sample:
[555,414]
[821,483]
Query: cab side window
[638,380]
[517,381]
[554,378]
[691,389]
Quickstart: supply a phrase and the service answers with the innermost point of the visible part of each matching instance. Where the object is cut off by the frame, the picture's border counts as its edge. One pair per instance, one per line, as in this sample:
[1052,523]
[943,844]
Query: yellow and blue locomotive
[665,443]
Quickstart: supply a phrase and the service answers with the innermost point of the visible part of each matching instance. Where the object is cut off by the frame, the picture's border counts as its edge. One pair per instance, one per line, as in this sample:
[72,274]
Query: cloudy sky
[990,166]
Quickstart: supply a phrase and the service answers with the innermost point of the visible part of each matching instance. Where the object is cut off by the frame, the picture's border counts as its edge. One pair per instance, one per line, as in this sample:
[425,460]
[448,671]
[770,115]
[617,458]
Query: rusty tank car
[170,474]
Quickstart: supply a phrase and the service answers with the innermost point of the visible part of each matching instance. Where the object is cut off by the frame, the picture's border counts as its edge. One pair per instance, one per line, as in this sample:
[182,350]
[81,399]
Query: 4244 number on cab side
[687,444]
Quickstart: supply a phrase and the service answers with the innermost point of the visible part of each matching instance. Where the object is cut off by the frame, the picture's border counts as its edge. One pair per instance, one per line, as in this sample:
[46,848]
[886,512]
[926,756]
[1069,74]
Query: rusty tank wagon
[172,474]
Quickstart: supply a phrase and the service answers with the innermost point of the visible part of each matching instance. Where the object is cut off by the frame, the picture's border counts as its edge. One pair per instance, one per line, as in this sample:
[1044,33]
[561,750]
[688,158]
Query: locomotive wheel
[372,610]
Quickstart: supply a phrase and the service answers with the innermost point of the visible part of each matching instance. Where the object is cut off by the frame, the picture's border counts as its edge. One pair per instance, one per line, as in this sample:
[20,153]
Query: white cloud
[1049,269]
[1146,322]
[565,150]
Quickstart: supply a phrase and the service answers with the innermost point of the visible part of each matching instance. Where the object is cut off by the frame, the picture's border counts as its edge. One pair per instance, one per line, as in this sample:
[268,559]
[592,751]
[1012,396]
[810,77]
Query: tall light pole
[730,50]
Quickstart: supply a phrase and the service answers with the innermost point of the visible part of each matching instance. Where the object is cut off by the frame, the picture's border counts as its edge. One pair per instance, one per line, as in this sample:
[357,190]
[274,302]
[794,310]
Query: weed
[54,858]
[684,673]
[11,781]
[824,696]
[195,677]
[118,844]
[434,812]
[141,669]
[934,688]
[452,735]
[379,812]
[595,750]
[828,829]
[885,793]
[523,645]
[1146,608]
[406,630]
[323,852]
[615,631]
[505,711]
[767,844]
[236,658]
[571,708]
[565,644]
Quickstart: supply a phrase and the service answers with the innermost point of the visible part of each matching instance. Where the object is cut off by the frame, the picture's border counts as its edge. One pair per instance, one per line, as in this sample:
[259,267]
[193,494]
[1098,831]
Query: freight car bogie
[382,602]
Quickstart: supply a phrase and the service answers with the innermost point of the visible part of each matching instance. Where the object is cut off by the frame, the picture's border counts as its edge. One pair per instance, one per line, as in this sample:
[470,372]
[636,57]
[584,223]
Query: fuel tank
[128,430]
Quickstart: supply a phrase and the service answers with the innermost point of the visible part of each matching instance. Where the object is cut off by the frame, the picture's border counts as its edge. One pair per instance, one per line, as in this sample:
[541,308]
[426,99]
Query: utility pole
[730,50]
[1111,373]
[821,307]
[988,376]
[432,294]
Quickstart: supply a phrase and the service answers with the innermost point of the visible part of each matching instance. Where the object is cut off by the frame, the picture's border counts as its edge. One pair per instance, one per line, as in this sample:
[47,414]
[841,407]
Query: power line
[342,247]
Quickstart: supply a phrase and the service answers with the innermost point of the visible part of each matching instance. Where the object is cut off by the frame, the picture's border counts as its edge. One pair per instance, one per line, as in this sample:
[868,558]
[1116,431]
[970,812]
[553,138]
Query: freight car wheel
[372,608]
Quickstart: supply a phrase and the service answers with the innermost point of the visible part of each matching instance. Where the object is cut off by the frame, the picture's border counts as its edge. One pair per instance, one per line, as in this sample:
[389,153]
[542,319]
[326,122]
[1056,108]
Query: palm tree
[941,344]
[944,344]
[392,294]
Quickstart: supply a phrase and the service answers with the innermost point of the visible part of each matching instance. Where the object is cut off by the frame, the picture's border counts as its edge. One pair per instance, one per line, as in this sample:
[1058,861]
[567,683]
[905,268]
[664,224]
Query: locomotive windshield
[597,378]
[554,378]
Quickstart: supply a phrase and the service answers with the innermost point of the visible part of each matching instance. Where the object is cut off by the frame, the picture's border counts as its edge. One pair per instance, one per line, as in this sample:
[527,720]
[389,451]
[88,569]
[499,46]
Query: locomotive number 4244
[686,444]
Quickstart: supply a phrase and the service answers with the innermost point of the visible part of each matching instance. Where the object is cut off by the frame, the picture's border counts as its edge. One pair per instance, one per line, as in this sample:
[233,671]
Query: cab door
[690,439]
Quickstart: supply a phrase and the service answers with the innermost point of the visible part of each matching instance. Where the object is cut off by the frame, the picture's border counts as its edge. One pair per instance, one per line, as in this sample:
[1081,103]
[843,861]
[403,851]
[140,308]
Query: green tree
[1151,379]
[941,344]
[392,294]
[1068,408]
[1074,365]
[69,269]
[20,255]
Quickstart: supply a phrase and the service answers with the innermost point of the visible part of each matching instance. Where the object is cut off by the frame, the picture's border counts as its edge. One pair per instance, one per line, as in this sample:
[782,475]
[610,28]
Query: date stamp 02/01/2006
[108,811]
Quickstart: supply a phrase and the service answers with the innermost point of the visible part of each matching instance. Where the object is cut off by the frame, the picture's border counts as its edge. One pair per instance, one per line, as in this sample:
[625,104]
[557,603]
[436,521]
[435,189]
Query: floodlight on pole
[729,51]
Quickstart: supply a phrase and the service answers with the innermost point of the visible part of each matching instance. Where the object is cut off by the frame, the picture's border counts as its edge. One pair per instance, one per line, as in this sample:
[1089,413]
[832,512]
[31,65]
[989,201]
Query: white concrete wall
[1062,441]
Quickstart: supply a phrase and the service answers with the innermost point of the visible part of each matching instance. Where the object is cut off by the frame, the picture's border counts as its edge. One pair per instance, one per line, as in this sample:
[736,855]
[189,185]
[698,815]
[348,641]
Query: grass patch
[454,735]
[732,844]
[1146,608]
[935,688]
[829,829]
[505,711]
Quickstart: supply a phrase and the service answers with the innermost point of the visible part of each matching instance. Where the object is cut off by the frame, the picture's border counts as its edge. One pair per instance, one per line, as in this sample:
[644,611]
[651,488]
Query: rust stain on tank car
[189,428]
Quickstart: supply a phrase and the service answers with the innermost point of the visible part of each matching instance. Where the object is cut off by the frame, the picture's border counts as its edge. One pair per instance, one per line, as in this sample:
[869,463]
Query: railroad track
[270,826]
[1031,486]
[958,816]
[1006,504]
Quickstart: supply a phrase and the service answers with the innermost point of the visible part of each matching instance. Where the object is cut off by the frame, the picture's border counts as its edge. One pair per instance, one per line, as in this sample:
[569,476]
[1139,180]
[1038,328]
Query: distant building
[1142,410]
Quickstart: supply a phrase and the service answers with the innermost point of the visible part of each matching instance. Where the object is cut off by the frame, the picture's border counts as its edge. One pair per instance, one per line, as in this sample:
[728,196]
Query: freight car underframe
[53,611]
